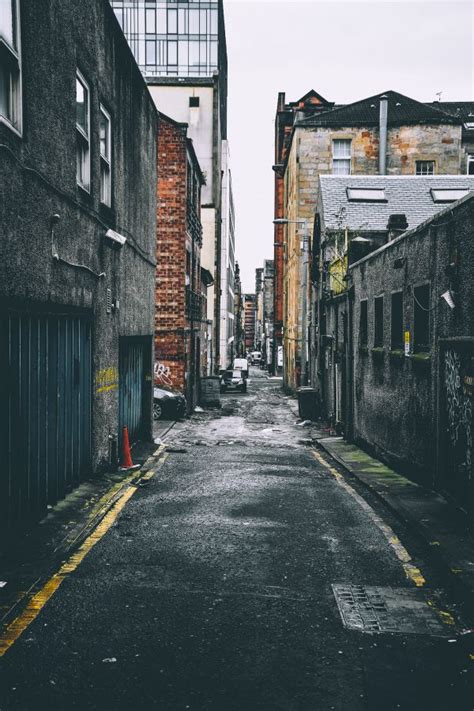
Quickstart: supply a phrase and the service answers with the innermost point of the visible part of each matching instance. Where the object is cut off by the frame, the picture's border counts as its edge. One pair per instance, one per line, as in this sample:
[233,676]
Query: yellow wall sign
[407,343]
[106,380]
[337,272]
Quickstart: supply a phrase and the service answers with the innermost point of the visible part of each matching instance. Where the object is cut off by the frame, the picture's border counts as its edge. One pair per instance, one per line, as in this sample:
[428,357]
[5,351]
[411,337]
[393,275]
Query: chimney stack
[383,134]
[397,224]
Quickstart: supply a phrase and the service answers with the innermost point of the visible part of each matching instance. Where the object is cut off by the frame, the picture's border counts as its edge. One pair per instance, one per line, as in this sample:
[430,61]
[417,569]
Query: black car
[233,379]
[168,404]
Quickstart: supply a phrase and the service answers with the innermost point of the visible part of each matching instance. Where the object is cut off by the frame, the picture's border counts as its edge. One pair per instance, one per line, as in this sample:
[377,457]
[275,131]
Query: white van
[242,365]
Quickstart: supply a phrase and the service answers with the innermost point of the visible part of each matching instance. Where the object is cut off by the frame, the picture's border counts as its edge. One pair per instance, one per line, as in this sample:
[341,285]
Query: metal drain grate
[376,609]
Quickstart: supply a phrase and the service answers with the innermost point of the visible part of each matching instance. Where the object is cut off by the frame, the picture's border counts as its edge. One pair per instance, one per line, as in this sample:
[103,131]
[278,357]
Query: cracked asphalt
[213,589]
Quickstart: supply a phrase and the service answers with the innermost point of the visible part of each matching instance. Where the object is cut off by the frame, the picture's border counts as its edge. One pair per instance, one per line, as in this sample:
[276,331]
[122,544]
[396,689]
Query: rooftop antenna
[438,94]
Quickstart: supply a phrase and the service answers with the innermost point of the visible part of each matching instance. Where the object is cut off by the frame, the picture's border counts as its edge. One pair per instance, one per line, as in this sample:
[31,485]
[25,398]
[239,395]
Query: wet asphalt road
[213,590]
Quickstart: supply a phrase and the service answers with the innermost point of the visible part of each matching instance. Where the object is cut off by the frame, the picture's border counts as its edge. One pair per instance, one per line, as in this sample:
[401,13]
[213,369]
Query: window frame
[82,136]
[396,340]
[106,161]
[379,327]
[470,161]
[425,162]
[341,159]
[12,54]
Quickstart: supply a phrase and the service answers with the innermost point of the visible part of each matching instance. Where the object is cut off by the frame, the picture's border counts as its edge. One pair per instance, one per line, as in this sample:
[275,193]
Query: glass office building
[172,37]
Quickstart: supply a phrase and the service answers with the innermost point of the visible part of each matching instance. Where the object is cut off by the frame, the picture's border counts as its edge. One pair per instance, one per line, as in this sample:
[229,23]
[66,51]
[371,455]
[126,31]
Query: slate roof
[461,109]
[407,194]
[401,111]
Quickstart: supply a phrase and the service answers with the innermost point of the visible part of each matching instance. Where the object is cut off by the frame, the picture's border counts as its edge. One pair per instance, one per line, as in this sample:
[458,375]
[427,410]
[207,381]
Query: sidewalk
[425,512]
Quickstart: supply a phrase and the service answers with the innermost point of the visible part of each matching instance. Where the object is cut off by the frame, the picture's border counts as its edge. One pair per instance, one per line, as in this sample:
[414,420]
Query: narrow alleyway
[213,589]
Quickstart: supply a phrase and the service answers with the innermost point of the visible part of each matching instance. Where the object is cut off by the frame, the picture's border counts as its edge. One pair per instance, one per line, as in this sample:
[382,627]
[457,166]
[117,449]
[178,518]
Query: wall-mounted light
[448,296]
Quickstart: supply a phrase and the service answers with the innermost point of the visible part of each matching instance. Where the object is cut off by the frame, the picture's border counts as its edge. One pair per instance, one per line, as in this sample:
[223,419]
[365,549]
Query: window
[378,322]
[105,133]
[470,164]
[10,70]
[448,194]
[396,340]
[82,132]
[366,195]
[421,310]
[363,324]
[194,101]
[341,157]
[425,167]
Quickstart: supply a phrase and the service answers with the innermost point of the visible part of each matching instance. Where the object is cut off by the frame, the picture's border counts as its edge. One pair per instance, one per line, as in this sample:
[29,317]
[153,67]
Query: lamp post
[304,285]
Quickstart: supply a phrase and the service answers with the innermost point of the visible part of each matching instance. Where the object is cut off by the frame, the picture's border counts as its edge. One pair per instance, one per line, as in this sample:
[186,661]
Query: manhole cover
[376,609]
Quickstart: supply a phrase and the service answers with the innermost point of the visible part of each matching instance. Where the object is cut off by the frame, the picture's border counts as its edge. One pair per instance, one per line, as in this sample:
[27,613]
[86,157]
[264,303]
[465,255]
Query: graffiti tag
[162,374]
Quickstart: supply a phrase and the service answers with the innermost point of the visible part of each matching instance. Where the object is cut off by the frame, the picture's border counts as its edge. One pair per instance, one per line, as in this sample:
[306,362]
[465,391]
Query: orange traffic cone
[126,455]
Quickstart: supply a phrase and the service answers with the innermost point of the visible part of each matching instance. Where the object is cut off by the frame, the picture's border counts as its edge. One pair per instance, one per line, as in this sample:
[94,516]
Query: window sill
[397,354]
[421,358]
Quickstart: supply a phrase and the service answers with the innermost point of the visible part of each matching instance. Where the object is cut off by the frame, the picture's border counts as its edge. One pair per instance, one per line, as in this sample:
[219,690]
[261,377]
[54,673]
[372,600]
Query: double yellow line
[36,603]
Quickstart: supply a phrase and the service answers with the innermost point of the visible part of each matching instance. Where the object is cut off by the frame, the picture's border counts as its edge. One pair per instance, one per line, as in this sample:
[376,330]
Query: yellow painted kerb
[38,601]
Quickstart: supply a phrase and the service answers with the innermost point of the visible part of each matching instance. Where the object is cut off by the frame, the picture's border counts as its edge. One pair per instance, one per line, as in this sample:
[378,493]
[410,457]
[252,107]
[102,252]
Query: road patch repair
[396,610]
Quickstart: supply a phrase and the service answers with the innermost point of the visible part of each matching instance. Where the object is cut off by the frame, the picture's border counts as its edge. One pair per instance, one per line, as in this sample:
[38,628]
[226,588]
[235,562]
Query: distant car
[233,380]
[168,404]
[255,357]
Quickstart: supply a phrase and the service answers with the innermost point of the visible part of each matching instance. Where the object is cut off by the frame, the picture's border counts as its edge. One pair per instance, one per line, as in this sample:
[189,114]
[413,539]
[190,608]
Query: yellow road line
[411,571]
[16,628]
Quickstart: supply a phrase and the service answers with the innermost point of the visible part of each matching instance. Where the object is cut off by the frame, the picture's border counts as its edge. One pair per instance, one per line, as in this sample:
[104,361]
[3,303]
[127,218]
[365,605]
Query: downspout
[383,134]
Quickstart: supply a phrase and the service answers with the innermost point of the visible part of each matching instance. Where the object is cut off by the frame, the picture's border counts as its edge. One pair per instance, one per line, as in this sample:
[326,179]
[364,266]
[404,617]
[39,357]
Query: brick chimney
[397,224]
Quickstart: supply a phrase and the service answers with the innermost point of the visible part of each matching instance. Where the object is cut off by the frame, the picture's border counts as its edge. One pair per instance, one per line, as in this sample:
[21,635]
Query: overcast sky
[345,51]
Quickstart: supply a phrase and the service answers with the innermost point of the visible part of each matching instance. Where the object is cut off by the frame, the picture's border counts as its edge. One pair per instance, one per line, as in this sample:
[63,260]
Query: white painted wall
[174,102]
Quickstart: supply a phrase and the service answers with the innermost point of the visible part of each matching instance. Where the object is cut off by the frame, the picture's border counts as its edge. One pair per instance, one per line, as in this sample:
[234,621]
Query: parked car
[233,380]
[168,404]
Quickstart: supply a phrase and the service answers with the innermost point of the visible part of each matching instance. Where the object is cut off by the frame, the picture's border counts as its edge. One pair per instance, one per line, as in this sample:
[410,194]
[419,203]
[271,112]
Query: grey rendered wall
[396,397]
[38,174]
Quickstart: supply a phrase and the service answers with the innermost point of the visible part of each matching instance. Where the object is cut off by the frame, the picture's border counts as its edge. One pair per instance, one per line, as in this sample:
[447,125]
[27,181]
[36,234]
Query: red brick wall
[170,309]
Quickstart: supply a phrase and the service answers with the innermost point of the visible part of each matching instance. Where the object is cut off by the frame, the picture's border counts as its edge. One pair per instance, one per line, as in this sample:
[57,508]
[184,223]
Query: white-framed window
[341,156]
[10,64]
[83,120]
[470,164]
[105,132]
[425,167]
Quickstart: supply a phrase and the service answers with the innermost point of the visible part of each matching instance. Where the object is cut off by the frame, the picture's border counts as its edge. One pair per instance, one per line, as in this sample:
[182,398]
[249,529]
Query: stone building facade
[250,311]
[411,327]
[180,320]
[417,139]
[77,254]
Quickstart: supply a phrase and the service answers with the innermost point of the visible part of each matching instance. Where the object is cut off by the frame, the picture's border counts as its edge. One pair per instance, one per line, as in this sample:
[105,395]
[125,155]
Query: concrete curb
[440,556]
[71,543]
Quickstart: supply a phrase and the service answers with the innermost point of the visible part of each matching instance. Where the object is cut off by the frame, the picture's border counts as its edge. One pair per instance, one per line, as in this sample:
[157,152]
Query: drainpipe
[383,134]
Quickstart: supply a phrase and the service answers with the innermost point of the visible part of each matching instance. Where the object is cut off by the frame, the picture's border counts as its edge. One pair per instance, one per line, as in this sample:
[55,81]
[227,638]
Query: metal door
[456,421]
[131,378]
[46,411]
